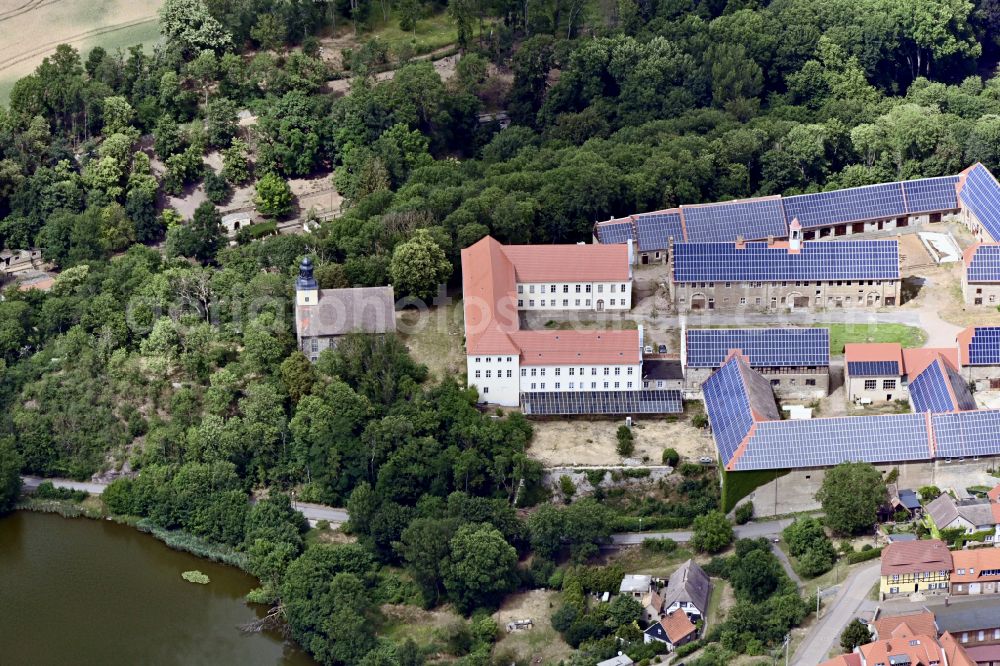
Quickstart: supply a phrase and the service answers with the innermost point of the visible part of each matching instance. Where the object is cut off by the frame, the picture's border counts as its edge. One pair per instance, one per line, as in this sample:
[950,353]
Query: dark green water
[78,591]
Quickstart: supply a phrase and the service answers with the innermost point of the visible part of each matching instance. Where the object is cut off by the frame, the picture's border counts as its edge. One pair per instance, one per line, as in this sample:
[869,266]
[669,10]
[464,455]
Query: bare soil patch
[581,442]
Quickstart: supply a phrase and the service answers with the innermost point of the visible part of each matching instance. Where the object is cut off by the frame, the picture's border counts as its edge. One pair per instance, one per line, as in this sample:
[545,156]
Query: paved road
[92,487]
[846,606]
[748,531]
[316,512]
[313,512]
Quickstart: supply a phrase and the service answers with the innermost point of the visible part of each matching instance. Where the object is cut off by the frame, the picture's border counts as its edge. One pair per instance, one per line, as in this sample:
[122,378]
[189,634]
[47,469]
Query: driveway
[849,603]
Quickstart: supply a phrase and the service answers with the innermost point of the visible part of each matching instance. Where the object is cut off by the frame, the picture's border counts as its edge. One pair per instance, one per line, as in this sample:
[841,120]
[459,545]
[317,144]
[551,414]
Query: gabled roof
[979,345]
[873,359]
[982,262]
[672,627]
[915,556]
[915,360]
[939,388]
[688,584]
[816,260]
[920,623]
[902,648]
[490,274]
[942,510]
[979,191]
[979,565]
[341,311]
[969,615]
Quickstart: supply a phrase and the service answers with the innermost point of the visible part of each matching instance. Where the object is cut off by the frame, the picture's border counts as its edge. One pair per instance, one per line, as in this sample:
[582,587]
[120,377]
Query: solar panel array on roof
[618,232]
[823,442]
[933,390]
[985,264]
[873,369]
[967,434]
[984,347]
[981,195]
[931,194]
[829,260]
[602,402]
[654,230]
[762,347]
[726,221]
[728,405]
[857,203]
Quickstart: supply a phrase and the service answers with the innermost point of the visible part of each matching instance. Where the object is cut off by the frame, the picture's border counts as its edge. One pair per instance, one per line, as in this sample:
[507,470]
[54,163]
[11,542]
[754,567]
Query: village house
[976,571]
[915,566]
[673,630]
[689,589]
[970,515]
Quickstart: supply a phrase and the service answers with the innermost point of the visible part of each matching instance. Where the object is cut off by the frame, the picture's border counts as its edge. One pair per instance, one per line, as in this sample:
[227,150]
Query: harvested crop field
[571,442]
[32,29]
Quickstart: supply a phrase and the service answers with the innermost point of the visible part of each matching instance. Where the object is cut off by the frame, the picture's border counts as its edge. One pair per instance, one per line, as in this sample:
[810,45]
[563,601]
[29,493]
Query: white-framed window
[557,386]
[623,289]
[487,374]
[607,371]
[616,384]
[543,386]
[524,372]
[520,288]
[572,371]
[605,385]
[510,373]
[578,289]
[630,370]
[557,372]
[534,372]
[477,374]
[531,289]
[565,302]
[618,371]
[542,372]
[870,384]
[743,300]
[533,386]
[612,301]
[565,288]
[588,288]
[520,303]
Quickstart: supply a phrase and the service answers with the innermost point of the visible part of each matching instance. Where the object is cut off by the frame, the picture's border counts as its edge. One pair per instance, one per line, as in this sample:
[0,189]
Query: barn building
[786,275]
[981,275]
[796,361]
[832,214]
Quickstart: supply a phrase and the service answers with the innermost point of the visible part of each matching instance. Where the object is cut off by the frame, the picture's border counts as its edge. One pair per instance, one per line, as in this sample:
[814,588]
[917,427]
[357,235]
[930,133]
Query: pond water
[79,591]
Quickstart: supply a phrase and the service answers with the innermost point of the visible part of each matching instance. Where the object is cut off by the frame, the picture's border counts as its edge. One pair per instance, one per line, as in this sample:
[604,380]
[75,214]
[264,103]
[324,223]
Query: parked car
[706,460]
[663,349]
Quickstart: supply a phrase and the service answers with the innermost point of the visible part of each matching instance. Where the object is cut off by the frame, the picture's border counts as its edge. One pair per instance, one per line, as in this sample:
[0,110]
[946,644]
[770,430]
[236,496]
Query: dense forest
[153,352]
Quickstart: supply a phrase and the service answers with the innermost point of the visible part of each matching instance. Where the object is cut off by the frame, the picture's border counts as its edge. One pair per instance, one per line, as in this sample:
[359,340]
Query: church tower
[306,287]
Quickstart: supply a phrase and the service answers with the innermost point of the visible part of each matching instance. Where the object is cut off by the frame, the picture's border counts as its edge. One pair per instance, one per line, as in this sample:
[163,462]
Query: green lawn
[842,334]
[431,33]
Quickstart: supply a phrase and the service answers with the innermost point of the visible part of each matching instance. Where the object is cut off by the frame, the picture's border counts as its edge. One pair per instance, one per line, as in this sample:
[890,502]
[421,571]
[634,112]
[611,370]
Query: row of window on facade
[831,300]
[480,359]
[583,385]
[552,302]
[930,586]
[489,374]
[797,283]
[540,372]
[887,384]
[792,382]
[565,288]
[920,575]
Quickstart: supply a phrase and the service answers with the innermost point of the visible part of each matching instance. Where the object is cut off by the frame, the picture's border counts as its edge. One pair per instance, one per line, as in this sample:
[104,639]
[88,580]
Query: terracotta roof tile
[677,626]
[589,347]
[918,623]
[873,351]
[974,563]
[915,556]
[923,650]
[916,361]
[569,263]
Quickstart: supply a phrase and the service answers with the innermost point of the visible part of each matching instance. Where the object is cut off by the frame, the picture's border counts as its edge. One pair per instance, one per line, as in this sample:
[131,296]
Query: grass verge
[842,334]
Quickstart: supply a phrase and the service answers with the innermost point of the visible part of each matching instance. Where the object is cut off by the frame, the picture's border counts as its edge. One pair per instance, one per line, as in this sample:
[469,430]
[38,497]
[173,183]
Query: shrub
[664,546]
[744,512]
[671,457]
[595,476]
[699,420]
[863,555]
[690,469]
[46,490]
[929,493]
[626,443]
[567,487]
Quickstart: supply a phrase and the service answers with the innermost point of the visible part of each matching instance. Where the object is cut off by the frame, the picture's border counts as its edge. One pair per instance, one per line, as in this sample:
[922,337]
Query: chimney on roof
[740,243]
[794,235]
[770,241]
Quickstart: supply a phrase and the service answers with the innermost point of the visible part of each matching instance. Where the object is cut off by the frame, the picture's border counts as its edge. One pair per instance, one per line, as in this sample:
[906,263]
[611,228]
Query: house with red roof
[673,629]
[906,646]
[551,371]
[915,566]
[976,571]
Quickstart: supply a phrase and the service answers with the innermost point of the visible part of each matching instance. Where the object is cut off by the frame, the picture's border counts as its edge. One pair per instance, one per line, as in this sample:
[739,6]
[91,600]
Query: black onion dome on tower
[306,279]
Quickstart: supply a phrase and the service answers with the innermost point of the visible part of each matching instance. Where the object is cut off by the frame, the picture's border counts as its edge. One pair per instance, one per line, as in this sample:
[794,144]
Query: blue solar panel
[873,369]
[763,347]
[602,402]
[617,232]
[940,389]
[832,260]
[984,347]
[929,195]
[831,441]
[655,228]
[753,219]
[967,434]
[985,264]
[872,202]
[981,195]
[728,405]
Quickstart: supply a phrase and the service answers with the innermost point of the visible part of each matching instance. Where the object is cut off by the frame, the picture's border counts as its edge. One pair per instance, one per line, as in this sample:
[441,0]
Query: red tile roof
[677,626]
[916,361]
[923,650]
[569,347]
[918,623]
[904,557]
[853,659]
[958,655]
[873,351]
[974,563]
[963,338]
[994,494]
[490,273]
[569,263]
